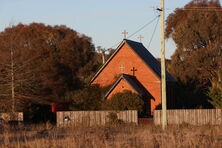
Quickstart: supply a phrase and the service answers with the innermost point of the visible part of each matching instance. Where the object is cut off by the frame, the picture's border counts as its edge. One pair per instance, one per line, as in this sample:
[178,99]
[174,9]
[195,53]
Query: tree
[125,100]
[198,43]
[196,29]
[103,52]
[49,61]
[16,77]
[88,98]
[111,51]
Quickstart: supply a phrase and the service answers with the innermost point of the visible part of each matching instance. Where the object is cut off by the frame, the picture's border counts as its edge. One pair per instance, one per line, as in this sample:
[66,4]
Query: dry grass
[125,136]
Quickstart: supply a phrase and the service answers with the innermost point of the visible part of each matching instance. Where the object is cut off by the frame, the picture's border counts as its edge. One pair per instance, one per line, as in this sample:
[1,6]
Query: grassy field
[123,136]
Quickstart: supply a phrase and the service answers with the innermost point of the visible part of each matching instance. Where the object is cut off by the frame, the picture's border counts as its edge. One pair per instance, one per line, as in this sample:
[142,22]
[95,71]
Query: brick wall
[144,74]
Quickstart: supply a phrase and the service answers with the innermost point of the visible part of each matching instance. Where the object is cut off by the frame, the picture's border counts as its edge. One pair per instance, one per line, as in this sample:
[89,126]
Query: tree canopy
[48,61]
[197,31]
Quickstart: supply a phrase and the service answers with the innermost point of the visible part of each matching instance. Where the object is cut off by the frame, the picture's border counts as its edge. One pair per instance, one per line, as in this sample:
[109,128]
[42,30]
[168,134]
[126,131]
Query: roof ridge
[144,54]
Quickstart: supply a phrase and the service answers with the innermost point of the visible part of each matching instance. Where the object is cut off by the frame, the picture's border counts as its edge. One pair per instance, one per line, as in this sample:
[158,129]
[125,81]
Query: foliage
[49,61]
[189,97]
[111,51]
[198,43]
[113,119]
[215,91]
[125,100]
[216,95]
[88,98]
[198,55]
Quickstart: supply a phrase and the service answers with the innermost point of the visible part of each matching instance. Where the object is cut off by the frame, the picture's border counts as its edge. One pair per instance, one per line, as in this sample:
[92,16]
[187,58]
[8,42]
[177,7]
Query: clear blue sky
[102,20]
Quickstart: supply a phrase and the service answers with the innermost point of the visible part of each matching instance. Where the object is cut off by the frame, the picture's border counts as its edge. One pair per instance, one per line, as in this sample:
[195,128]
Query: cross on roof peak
[124,33]
[140,37]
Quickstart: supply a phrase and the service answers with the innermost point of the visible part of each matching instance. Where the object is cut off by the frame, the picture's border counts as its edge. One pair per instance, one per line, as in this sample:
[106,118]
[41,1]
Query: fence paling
[92,118]
[191,116]
[16,116]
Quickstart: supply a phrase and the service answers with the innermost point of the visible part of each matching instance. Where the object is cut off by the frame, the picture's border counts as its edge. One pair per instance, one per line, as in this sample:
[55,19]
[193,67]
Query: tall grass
[123,136]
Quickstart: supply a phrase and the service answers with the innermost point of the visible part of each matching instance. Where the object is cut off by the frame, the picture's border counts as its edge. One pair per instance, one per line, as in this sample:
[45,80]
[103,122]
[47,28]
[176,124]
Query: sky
[102,20]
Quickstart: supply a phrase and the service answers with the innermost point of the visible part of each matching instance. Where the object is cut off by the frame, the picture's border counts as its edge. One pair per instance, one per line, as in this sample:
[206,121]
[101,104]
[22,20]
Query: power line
[194,8]
[141,28]
[115,45]
[212,9]
[144,26]
[153,34]
[205,7]
[201,9]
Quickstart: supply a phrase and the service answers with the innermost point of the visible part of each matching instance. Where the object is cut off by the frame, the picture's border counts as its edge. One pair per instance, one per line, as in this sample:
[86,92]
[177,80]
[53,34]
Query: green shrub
[216,97]
[113,119]
[124,101]
[88,98]
[215,91]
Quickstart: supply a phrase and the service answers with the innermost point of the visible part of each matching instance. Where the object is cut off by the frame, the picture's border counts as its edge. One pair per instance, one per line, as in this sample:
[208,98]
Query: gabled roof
[144,54]
[133,82]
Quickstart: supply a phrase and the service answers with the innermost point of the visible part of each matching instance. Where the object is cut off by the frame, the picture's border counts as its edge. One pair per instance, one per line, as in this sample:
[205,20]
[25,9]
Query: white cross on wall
[122,68]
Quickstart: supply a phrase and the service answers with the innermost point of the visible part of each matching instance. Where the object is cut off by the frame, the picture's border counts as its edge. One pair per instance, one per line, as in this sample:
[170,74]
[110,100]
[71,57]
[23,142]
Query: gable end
[144,55]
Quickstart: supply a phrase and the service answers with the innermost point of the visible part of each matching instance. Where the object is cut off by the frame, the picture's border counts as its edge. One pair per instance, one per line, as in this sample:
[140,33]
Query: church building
[132,67]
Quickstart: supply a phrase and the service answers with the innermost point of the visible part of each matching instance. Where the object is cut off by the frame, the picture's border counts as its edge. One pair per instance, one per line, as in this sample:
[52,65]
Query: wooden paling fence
[191,116]
[93,118]
[17,116]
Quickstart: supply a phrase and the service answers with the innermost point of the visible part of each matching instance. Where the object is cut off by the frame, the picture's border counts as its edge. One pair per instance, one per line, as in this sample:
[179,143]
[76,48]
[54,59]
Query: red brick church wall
[127,58]
[122,85]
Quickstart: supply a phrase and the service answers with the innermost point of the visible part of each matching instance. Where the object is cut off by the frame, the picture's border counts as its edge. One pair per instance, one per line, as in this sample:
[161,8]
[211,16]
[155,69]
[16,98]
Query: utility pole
[163,68]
